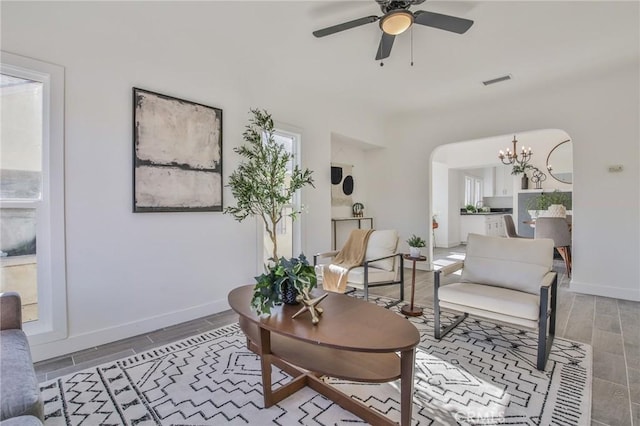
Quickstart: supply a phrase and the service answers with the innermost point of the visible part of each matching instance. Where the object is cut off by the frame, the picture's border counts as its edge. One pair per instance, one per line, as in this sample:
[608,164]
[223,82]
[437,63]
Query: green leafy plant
[545,199]
[470,208]
[261,184]
[271,286]
[415,241]
[519,169]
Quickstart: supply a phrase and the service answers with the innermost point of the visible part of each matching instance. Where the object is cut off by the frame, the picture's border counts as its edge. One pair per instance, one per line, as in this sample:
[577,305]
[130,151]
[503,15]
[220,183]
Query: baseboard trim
[606,291]
[44,351]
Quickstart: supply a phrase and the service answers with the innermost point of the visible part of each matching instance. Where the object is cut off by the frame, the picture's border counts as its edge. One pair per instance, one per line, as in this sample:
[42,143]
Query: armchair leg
[366,282]
[438,331]
[565,253]
[547,313]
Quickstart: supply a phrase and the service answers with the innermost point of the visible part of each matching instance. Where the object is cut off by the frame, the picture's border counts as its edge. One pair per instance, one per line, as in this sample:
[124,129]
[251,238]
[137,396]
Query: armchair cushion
[492,299]
[517,264]
[382,243]
[356,275]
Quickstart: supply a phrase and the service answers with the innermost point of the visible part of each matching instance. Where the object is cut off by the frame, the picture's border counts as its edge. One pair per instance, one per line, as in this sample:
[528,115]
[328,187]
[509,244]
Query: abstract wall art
[177,154]
[341,184]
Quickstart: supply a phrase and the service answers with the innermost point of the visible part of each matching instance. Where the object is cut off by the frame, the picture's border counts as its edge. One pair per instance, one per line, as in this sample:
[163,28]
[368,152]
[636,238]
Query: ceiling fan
[397,19]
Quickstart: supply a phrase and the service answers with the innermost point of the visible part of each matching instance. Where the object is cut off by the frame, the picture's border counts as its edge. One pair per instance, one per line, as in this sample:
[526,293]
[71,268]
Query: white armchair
[504,279]
[382,266]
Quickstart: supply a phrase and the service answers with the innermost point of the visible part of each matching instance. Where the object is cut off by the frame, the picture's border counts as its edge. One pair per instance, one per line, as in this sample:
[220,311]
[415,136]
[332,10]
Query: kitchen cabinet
[489,178]
[483,224]
[503,182]
[495,225]
[472,224]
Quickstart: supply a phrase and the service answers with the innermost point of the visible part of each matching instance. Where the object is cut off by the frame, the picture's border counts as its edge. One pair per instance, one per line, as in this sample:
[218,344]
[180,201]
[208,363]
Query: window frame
[473,190]
[51,324]
[286,131]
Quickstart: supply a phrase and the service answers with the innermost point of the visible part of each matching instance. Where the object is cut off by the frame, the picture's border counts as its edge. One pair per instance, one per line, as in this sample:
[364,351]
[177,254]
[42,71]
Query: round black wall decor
[347,185]
[336,175]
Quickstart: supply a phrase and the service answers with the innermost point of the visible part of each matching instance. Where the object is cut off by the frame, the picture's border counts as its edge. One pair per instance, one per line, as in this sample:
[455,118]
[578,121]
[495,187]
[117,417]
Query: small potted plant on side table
[415,244]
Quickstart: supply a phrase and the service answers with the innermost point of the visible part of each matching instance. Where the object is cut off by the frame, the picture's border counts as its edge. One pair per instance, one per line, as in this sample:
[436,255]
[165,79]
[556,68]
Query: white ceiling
[537,42]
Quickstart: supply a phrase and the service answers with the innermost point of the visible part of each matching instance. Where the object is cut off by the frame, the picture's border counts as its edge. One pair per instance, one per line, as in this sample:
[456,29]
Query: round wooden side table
[411,310]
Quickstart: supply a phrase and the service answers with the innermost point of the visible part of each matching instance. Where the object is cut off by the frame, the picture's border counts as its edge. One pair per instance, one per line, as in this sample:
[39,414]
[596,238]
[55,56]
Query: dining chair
[510,227]
[556,228]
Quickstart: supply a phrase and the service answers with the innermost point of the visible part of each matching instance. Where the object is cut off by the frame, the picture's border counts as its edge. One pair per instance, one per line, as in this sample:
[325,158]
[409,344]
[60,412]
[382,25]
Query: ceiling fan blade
[384,49]
[345,26]
[442,22]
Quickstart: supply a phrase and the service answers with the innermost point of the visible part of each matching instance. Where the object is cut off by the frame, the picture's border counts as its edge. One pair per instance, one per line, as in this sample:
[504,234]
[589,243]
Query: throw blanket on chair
[334,276]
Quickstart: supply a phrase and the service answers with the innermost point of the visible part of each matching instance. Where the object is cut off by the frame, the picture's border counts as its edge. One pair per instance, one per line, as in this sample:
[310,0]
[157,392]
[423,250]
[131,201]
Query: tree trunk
[274,240]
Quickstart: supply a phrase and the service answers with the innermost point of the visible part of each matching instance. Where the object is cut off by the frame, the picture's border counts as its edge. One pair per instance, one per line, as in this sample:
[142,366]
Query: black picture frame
[177,154]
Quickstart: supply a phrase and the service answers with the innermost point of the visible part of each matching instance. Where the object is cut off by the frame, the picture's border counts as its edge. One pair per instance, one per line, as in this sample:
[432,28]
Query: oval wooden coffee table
[355,340]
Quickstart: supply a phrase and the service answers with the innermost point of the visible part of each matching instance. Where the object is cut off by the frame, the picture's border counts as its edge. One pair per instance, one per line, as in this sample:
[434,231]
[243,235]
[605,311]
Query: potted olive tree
[263,186]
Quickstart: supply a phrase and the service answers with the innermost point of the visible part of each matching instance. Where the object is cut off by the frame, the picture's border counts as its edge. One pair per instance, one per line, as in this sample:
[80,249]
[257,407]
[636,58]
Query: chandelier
[510,157]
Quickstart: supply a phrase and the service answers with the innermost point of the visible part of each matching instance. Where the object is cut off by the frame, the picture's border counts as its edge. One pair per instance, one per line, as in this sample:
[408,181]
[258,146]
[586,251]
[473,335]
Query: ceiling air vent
[497,80]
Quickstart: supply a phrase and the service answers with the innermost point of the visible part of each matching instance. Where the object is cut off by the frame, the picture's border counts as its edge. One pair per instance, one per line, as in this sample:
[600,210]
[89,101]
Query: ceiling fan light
[396,22]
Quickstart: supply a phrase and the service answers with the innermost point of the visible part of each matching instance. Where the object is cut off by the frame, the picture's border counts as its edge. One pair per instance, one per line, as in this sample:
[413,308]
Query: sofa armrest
[317,256]
[10,311]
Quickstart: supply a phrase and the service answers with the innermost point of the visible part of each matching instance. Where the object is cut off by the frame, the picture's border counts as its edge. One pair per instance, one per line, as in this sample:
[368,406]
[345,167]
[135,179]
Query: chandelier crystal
[511,157]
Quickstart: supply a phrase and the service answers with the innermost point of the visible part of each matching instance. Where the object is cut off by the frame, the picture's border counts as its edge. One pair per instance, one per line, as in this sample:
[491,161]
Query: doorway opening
[471,169]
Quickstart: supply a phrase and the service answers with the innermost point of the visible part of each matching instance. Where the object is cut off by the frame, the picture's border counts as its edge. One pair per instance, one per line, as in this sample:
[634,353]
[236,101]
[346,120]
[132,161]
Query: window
[288,230]
[472,190]
[32,256]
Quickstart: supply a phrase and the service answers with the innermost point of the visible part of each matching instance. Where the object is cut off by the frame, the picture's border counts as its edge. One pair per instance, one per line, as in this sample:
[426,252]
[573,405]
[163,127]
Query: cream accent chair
[504,279]
[382,266]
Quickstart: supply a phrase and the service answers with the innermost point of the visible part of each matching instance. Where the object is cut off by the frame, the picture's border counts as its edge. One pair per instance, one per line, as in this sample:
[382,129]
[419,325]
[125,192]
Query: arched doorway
[473,166]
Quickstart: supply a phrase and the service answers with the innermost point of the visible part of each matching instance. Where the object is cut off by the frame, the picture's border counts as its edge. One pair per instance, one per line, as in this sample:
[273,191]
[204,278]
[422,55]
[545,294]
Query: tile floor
[609,325]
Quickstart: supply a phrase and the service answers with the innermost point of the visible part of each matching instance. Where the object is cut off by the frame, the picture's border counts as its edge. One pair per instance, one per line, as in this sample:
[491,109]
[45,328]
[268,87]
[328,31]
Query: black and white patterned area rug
[481,373]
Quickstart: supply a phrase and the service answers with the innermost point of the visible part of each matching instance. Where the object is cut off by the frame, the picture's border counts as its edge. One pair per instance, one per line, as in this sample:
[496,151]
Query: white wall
[132,273]
[455,200]
[600,112]
[440,196]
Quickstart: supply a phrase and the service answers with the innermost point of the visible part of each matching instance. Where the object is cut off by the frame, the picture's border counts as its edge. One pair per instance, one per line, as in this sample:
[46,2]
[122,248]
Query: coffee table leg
[265,361]
[407,363]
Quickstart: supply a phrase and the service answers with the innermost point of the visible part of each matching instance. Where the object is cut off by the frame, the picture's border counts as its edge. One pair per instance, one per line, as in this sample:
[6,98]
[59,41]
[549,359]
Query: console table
[348,219]
[355,340]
